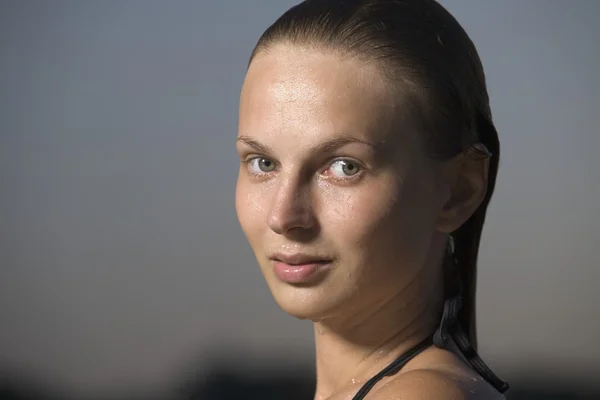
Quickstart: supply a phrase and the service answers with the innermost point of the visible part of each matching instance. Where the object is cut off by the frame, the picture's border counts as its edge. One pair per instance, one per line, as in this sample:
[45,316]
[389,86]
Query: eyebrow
[327,146]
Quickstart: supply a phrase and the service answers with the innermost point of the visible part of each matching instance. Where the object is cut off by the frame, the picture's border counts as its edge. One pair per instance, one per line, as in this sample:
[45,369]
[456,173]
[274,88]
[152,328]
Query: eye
[344,168]
[259,165]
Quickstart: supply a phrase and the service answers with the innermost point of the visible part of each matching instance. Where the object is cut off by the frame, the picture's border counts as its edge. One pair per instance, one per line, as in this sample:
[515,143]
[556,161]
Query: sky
[121,258]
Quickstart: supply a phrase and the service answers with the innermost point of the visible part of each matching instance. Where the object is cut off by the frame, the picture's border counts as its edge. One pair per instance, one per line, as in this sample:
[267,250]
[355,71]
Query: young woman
[368,159]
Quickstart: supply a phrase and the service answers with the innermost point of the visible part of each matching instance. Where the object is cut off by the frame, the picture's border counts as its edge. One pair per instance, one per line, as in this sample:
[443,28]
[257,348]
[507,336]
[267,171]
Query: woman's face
[335,192]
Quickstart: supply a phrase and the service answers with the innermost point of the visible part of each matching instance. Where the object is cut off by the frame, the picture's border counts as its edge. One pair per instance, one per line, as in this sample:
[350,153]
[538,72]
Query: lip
[298,268]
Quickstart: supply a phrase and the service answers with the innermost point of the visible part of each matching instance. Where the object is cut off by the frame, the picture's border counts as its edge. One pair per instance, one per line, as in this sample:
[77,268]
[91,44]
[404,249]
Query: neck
[352,350]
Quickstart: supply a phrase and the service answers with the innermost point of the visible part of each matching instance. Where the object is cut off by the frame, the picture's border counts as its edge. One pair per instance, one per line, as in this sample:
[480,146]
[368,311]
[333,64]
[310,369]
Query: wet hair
[421,48]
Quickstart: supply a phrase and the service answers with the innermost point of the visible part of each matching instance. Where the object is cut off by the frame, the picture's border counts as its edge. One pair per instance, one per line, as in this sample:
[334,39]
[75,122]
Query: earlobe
[467,182]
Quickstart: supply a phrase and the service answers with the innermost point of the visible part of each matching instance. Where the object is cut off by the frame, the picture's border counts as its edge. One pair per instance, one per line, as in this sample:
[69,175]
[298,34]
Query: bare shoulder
[430,384]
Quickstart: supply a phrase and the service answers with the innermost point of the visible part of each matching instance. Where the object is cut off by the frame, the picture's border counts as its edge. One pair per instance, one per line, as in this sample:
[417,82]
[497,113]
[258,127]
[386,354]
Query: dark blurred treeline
[229,384]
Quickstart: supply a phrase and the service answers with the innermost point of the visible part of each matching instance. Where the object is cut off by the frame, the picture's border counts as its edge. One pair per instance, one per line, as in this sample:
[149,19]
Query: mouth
[299,268]
[299,259]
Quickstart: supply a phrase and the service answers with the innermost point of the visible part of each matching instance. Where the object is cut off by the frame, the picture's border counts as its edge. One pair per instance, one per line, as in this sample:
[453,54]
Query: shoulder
[429,384]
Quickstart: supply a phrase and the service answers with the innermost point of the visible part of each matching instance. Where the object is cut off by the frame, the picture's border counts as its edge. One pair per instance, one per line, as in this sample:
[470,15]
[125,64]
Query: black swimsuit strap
[393,368]
[450,328]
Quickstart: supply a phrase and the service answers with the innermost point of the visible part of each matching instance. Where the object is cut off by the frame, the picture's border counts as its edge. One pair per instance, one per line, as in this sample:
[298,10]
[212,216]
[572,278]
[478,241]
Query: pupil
[349,168]
[266,164]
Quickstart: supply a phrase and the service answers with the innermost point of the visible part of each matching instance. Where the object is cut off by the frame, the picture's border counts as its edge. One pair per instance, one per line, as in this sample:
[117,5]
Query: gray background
[121,260]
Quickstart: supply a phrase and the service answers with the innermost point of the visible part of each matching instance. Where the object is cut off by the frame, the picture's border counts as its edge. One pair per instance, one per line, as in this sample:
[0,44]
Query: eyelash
[351,178]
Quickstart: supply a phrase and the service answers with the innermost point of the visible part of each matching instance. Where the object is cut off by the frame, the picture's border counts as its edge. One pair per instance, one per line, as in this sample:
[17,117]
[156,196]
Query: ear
[466,177]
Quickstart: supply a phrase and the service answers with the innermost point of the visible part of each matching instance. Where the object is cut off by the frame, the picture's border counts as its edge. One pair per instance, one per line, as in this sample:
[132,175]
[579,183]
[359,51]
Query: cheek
[351,216]
[250,208]
[384,220]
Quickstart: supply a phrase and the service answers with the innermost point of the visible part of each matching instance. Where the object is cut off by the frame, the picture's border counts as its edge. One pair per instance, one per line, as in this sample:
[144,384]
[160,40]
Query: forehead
[310,93]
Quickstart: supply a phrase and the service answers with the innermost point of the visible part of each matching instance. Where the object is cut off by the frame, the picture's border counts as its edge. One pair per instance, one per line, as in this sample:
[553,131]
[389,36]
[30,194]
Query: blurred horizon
[122,262]
[230,378]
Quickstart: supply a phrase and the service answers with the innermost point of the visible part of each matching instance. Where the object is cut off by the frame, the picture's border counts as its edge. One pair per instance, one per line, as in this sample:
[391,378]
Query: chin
[305,303]
[303,312]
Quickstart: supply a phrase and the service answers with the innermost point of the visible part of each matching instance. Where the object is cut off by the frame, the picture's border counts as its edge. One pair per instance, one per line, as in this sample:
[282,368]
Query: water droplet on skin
[353,381]
[379,355]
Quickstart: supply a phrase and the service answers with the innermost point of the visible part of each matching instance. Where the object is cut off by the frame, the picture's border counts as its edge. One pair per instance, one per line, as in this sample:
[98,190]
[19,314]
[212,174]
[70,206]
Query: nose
[292,208]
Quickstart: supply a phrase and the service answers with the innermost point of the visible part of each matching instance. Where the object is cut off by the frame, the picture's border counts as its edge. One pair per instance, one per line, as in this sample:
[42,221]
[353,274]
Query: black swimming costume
[449,329]
[393,368]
